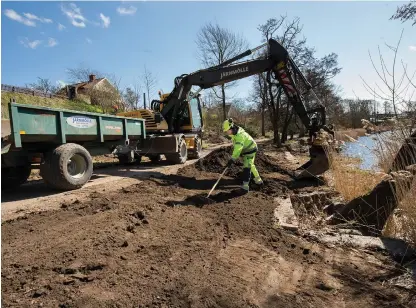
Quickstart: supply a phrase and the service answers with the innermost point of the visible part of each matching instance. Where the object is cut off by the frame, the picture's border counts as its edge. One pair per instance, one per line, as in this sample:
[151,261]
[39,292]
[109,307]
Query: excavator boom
[277,63]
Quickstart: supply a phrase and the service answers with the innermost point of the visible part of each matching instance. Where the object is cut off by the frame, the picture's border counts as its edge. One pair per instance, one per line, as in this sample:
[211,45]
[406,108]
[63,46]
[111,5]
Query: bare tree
[216,45]
[393,89]
[406,12]
[260,96]
[149,82]
[82,73]
[288,33]
[43,85]
[105,97]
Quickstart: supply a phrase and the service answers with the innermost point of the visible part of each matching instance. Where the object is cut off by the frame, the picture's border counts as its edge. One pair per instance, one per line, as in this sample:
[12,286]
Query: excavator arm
[278,66]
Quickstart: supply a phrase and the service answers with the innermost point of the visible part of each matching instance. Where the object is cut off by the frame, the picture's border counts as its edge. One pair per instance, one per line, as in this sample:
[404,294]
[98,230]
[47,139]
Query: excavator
[174,124]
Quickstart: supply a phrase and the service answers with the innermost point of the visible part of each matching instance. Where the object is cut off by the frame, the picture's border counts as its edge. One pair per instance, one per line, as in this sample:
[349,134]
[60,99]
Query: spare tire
[67,167]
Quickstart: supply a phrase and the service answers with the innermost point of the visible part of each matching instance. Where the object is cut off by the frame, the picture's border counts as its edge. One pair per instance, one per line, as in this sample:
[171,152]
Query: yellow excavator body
[164,146]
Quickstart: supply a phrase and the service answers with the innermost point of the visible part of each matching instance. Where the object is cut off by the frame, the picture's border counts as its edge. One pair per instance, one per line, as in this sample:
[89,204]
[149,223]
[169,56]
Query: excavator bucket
[316,165]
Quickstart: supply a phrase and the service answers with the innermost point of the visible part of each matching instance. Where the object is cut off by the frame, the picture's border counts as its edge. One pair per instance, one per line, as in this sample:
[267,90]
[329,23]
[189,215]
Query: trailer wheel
[67,167]
[181,156]
[13,177]
[196,154]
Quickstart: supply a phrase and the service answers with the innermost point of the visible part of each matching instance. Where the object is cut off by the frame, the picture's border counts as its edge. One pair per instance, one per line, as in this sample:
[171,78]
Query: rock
[284,215]
[290,158]
[361,210]
[324,287]
[39,293]
[398,249]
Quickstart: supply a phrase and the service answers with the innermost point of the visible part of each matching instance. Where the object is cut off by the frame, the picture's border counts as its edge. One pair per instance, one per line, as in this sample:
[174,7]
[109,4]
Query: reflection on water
[363,149]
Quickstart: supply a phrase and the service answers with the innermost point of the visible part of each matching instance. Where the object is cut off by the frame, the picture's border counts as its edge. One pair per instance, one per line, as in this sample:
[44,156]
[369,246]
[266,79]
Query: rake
[216,183]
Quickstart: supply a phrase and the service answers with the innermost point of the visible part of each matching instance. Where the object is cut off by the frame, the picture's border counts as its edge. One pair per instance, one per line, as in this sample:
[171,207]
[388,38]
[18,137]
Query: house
[93,89]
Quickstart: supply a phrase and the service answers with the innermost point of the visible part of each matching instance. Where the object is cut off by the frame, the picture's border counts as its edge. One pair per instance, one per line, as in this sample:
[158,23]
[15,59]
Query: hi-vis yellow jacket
[243,143]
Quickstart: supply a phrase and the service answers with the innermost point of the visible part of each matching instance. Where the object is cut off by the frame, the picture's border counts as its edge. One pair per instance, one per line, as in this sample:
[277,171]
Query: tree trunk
[223,102]
[286,123]
[276,138]
[263,127]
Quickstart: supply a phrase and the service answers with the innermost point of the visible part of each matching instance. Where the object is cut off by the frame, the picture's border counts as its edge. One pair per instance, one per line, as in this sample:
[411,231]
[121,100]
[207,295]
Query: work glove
[230,162]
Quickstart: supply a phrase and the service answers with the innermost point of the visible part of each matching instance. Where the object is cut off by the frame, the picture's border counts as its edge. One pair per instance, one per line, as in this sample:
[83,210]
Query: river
[363,148]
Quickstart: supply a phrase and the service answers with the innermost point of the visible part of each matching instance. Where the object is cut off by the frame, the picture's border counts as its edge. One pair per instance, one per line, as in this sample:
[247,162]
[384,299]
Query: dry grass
[403,223]
[45,102]
[348,179]
[352,182]
[342,135]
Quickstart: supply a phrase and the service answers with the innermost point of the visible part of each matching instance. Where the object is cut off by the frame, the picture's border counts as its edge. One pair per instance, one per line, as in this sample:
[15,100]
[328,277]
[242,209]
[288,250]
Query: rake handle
[215,185]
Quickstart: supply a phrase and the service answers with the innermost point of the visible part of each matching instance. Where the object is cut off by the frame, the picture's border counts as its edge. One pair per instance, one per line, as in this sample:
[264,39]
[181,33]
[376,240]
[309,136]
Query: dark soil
[216,162]
[159,244]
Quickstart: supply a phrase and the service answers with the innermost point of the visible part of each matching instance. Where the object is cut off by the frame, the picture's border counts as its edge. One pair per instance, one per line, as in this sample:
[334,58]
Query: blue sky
[43,39]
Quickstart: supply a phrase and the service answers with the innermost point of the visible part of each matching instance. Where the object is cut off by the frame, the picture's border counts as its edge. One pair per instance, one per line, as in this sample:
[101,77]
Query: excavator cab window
[195,112]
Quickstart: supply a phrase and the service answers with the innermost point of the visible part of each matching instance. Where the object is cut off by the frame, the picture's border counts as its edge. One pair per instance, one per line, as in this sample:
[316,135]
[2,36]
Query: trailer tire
[67,167]
[13,177]
[181,156]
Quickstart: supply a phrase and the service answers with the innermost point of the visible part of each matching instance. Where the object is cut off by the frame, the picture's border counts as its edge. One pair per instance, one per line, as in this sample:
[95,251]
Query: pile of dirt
[217,160]
[214,138]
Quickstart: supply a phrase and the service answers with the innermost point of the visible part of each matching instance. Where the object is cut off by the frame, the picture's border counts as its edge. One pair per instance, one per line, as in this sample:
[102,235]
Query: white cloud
[127,10]
[74,14]
[61,27]
[105,20]
[16,17]
[52,42]
[412,48]
[88,40]
[41,19]
[30,44]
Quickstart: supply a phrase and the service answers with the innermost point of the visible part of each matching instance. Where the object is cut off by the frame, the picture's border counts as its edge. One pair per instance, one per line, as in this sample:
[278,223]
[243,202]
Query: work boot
[245,187]
[258,181]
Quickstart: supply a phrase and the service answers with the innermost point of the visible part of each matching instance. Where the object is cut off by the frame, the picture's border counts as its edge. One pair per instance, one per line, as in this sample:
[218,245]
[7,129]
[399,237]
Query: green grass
[45,102]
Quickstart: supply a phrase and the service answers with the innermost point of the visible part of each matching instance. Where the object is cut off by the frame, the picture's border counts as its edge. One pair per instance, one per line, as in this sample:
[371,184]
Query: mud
[159,244]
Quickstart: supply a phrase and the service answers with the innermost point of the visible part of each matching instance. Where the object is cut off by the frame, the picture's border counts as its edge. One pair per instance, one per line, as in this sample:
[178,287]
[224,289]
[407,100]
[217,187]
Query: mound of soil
[214,138]
[217,160]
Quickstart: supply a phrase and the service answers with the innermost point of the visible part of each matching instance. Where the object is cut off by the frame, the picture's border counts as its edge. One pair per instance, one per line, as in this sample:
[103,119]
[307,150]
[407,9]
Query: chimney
[92,78]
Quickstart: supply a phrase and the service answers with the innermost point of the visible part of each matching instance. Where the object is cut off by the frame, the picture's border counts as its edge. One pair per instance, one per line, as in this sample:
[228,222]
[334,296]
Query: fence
[8,88]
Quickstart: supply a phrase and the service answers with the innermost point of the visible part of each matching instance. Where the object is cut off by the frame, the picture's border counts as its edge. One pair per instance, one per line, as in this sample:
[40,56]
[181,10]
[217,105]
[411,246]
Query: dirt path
[158,243]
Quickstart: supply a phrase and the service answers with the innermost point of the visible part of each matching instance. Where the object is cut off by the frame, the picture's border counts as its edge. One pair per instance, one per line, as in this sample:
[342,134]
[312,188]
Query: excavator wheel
[196,154]
[181,156]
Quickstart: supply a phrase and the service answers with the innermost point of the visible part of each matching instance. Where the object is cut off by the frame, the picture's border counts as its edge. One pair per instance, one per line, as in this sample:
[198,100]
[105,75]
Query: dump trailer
[61,144]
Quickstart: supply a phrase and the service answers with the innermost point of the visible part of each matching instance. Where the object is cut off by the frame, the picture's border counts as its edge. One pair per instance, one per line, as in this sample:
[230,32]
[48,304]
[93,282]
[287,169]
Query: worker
[245,146]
